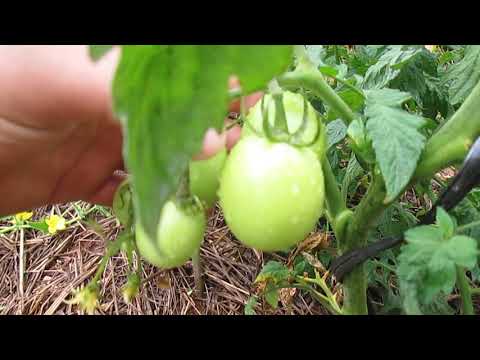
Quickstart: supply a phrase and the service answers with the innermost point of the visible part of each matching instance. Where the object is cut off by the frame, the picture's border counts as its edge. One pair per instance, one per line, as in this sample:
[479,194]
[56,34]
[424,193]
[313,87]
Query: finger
[107,65]
[104,196]
[233,82]
[212,144]
[250,100]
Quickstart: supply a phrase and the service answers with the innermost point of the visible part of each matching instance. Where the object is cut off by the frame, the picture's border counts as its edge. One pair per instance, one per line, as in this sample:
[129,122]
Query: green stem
[347,84]
[113,248]
[461,229]
[78,218]
[385,266]
[323,285]
[355,292]
[301,54]
[15,227]
[334,199]
[308,77]
[338,215]
[22,262]
[475,291]
[198,273]
[465,293]
[322,299]
[367,213]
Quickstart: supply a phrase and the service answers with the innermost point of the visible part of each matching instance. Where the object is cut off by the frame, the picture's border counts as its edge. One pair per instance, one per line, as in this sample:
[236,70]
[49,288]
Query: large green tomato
[205,178]
[272,194]
[180,234]
[294,109]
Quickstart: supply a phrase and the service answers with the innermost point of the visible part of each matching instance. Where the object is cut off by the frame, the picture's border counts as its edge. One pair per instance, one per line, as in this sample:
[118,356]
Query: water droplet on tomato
[295,189]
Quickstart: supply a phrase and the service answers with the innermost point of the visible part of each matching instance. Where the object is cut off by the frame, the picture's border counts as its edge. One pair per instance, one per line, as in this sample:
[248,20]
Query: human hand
[59,140]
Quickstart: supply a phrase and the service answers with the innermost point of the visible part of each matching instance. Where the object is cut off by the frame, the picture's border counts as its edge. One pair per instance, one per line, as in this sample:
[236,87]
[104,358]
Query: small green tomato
[180,233]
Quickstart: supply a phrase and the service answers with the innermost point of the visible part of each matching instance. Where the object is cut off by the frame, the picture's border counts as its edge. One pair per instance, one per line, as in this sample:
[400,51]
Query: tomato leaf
[360,142]
[435,98]
[255,65]
[420,79]
[167,97]
[96,52]
[467,212]
[39,225]
[328,70]
[427,264]
[273,271]
[353,171]
[250,306]
[352,98]
[272,295]
[398,152]
[365,56]
[464,75]
[388,66]
[445,223]
[336,132]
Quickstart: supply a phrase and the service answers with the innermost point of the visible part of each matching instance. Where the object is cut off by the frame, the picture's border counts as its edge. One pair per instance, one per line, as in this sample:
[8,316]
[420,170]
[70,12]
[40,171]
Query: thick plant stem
[364,218]
[474,291]
[355,293]
[465,293]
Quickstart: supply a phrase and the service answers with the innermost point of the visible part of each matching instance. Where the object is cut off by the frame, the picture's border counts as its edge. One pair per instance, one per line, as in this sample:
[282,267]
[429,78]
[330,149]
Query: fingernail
[233,82]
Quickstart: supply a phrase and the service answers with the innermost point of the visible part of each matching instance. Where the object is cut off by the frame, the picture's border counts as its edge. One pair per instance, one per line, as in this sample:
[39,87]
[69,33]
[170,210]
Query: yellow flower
[55,223]
[86,298]
[131,288]
[21,217]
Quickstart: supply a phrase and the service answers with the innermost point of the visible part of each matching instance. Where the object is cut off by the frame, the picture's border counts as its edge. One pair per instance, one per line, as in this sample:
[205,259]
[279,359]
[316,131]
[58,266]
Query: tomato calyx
[179,234]
[123,204]
[191,205]
[278,131]
[184,199]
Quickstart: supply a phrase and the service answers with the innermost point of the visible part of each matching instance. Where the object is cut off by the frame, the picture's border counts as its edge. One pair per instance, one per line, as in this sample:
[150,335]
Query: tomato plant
[341,134]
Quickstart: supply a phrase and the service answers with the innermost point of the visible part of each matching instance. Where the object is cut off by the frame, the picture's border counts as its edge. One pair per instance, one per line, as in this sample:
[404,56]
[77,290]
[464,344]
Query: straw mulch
[55,265]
